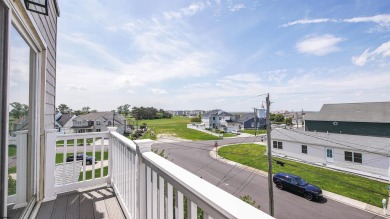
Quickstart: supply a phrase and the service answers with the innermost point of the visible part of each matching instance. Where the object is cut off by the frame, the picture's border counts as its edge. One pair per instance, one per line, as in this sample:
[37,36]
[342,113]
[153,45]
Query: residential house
[363,155]
[247,121]
[219,119]
[19,125]
[137,184]
[64,122]
[369,119]
[98,122]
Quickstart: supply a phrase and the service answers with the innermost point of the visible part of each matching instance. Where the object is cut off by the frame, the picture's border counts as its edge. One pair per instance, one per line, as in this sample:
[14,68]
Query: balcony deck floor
[96,203]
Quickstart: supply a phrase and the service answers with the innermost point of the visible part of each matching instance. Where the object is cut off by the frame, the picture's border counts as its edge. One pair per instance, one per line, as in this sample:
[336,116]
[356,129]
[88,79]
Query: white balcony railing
[146,184]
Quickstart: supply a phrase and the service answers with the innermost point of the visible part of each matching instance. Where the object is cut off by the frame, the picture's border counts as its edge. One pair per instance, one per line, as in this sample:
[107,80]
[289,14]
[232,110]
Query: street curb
[335,197]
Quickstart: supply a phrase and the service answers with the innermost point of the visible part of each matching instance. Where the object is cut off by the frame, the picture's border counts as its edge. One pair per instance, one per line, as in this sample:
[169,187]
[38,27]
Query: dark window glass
[357,157]
[304,149]
[348,156]
[275,144]
[280,145]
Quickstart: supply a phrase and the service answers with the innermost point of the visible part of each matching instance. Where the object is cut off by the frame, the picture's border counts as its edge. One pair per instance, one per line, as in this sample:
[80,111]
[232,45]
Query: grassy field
[176,126]
[252,132]
[355,187]
[80,142]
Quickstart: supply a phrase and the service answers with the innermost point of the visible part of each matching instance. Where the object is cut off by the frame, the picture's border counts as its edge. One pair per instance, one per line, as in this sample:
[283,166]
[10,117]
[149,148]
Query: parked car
[236,132]
[88,159]
[297,185]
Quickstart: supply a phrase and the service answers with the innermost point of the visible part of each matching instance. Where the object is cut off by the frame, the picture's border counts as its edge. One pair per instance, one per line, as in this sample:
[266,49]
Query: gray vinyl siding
[47,26]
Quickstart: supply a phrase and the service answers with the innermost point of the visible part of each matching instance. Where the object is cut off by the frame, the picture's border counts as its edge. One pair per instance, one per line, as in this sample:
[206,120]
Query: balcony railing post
[50,153]
[142,147]
[110,151]
[21,168]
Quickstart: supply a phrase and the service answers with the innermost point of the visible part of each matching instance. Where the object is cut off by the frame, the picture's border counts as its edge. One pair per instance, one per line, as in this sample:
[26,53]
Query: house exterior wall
[353,128]
[372,163]
[47,26]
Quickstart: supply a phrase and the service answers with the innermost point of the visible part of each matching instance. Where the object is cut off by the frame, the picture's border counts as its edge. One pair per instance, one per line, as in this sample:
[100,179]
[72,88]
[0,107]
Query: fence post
[21,169]
[50,153]
[110,150]
[142,147]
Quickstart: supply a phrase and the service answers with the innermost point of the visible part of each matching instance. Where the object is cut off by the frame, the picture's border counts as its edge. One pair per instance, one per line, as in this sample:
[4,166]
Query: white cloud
[382,51]
[191,10]
[75,87]
[319,45]
[158,91]
[382,20]
[309,21]
[236,7]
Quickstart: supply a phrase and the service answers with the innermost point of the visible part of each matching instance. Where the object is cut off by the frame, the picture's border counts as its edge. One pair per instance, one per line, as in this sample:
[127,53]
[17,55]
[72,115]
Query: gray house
[369,119]
[359,154]
[98,122]
[218,119]
[247,121]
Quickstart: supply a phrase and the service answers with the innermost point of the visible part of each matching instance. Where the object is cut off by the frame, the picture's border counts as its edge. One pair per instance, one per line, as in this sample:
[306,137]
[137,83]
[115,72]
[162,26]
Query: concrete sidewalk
[336,197]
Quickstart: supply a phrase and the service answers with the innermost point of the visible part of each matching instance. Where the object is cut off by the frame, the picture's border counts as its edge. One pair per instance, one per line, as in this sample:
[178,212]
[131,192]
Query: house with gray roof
[247,121]
[368,119]
[64,122]
[365,155]
[98,122]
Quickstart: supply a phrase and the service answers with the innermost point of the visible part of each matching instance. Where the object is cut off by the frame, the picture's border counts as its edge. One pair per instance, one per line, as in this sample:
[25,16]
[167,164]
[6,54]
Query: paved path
[194,156]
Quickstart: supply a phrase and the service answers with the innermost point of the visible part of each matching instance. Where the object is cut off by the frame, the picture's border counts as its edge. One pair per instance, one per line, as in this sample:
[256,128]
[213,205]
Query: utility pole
[255,111]
[270,188]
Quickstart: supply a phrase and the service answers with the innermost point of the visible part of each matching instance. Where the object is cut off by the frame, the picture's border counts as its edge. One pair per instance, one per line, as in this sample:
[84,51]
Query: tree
[63,108]
[124,110]
[279,118]
[288,121]
[18,110]
[85,109]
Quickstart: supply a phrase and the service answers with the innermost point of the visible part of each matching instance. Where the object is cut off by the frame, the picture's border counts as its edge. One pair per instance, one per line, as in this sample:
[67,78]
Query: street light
[38,6]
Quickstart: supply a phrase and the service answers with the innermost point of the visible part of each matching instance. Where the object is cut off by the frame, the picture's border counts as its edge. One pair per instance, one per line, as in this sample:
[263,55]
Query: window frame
[353,158]
[304,149]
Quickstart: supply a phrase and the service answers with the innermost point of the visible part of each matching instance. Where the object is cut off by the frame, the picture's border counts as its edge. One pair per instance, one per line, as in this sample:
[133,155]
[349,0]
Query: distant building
[64,122]
[98,122]
[368,119]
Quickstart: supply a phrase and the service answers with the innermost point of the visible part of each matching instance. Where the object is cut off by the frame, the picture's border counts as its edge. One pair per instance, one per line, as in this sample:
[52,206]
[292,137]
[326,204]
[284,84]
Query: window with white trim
[278,144]
[353,157]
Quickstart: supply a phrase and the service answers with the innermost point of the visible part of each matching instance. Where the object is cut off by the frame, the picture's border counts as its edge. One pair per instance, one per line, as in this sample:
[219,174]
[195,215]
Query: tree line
[136,112]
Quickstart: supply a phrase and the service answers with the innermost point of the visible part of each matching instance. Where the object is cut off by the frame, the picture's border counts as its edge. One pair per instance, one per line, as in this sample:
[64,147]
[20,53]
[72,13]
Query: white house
[64,123]
[359,154]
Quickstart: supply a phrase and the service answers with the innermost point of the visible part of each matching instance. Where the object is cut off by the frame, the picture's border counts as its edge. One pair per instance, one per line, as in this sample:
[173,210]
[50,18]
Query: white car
[236,132]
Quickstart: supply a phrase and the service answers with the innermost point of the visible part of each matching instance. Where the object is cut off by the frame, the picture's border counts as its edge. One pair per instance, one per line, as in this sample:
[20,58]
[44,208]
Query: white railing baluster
[94,158]
[21,168]
[75,177]
[65,149]
[102,158]
[154,194]
[149,193]
[179,210]
[169,201]
[161,198]
[84,158]
[192,209]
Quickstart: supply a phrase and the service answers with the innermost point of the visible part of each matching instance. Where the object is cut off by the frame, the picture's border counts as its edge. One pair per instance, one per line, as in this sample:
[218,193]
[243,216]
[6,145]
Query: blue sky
[222,54]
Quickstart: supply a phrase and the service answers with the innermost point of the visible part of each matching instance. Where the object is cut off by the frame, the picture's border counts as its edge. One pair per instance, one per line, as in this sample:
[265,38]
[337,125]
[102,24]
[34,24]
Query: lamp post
[38,6]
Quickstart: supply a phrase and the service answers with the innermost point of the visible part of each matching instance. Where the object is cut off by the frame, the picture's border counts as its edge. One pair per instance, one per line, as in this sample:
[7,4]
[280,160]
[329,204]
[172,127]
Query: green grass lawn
[88,174]
[355,187]
[252,132]
[60,156]
[80,142]
[176,125]
[11,150]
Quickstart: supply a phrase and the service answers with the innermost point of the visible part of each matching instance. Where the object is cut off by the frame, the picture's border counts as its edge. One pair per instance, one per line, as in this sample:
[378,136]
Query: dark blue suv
[298,185]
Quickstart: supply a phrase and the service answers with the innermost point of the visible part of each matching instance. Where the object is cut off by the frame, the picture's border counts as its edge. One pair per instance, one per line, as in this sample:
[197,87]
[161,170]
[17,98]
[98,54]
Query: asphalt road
[194,157]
